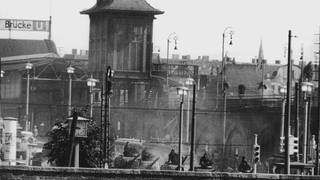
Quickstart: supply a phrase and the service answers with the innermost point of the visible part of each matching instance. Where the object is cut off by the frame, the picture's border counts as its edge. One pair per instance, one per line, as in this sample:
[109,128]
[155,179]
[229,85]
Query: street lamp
[91,83]
[175,38]
[182,91]
[189,82]
[107,116]
[306,88]
[223,82]
[1,76]
[70,71]
[28,68]
[283,92]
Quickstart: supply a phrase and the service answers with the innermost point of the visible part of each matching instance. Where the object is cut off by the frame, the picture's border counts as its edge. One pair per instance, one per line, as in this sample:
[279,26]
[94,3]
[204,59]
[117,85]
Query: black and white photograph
[159,89]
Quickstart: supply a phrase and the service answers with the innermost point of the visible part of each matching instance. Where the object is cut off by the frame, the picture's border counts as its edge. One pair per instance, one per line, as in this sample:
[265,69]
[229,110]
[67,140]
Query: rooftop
[136,6]
[18,47]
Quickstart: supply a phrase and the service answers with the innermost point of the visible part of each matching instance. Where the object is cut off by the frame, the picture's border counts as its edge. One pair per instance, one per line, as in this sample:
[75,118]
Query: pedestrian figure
[126,150]
[205,161]
[244,166]
[173,158]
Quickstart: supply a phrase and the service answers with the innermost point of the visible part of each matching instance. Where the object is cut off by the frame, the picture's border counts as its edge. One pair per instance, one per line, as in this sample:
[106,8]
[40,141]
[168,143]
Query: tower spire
[260,56]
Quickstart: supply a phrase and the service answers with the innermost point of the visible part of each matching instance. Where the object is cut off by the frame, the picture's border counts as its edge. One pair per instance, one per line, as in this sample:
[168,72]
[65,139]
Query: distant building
[83,54]
[186,57]
[175,56]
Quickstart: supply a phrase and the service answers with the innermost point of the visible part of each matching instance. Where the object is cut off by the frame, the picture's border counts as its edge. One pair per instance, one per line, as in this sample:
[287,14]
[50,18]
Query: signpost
[26,25]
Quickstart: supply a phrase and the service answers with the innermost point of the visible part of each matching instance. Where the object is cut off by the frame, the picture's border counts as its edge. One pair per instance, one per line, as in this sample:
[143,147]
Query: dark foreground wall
[38,173]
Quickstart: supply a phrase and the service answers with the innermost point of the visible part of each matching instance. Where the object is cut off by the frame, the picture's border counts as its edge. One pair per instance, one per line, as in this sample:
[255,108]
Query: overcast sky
[198,24]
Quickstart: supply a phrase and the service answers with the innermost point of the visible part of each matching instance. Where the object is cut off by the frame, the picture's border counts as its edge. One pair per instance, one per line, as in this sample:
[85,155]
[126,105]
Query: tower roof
[260,55]
[137,6]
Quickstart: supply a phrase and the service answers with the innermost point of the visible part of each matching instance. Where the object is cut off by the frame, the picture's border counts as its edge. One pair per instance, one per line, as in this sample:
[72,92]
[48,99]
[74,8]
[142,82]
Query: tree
[58,146]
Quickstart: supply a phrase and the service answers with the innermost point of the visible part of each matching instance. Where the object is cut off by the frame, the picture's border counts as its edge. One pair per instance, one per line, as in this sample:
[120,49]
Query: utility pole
[106,122]
[50,24]
[318,124]
[288,108]
[107,117]
[297,96]
[72,137]
[193,128]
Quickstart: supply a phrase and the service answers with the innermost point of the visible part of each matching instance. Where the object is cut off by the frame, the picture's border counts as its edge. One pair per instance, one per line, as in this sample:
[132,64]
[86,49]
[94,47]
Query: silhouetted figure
[126,150]
[205,161]
[173,158]
[244,166]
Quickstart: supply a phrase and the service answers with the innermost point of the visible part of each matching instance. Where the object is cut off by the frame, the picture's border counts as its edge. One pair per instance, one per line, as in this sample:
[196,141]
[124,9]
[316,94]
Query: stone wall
[38,173]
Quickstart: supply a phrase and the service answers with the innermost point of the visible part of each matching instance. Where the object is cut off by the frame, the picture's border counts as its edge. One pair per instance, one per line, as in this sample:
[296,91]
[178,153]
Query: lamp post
[28,68]
[189,82]
[306,88]
[107,116]
[1,76]
[70,71]
[182,91]
[175,37]
[283,92]
[91,83]
[223,80]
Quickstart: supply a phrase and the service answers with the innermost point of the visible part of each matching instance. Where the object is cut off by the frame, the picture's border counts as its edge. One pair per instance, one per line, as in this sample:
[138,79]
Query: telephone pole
[288,108]
[318,124]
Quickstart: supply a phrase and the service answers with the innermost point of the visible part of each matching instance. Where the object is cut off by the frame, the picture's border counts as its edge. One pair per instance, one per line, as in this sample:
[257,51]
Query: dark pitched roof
[17,47]
[138,6]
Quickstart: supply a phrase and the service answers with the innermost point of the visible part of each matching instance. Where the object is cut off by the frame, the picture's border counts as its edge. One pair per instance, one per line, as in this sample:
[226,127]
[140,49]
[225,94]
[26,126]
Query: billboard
[24,25]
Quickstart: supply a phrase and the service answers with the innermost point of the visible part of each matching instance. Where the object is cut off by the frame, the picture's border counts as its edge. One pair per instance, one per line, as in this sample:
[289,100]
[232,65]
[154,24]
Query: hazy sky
[199,25]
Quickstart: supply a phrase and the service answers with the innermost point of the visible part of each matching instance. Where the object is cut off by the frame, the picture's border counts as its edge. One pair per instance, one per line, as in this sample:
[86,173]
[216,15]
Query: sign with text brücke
[24,25]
